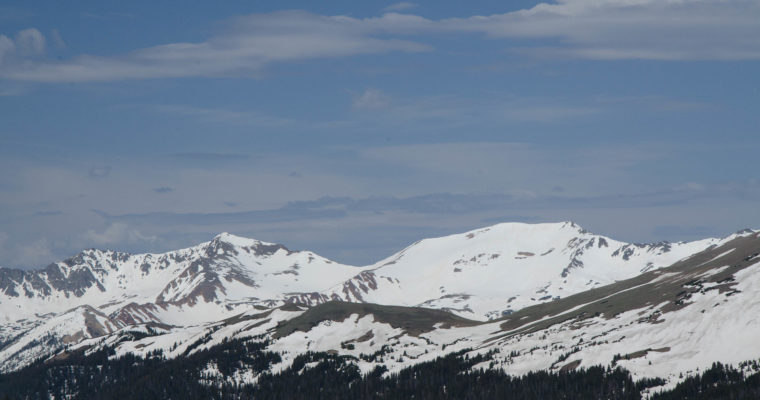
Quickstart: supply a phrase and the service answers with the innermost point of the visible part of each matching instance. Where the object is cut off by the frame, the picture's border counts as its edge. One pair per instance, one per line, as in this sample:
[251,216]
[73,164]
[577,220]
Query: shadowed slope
[413,320]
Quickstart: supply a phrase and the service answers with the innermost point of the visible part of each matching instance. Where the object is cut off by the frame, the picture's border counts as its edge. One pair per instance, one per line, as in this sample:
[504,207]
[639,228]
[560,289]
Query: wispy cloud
[30,42]
[247,45]
[622,29]
[47,213]
[588,29]
[26,254]
[401,6]
[370,99]
[347,208]
[57,39]
[466,203]
[685,106]
[116,233]
[285,214]
[656,103]
[26,44]
[35,253]
[99,171]
[440,204]
[219,115]
[461,111]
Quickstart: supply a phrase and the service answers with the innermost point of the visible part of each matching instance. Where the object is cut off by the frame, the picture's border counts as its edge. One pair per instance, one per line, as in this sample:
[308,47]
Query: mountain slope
[668,323]
[201,284]
[228,269]
[520,277]
[491,272]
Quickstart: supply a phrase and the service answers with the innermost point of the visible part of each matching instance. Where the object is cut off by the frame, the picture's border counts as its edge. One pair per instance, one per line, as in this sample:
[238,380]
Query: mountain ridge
[486,275]
[228,263]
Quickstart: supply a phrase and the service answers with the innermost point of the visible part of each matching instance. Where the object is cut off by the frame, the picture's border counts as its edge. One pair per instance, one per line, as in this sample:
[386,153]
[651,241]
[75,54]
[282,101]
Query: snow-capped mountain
[228,270]
[205,283]
[492,272]
[480,274]
[33,339]
[666,323]
[507,281]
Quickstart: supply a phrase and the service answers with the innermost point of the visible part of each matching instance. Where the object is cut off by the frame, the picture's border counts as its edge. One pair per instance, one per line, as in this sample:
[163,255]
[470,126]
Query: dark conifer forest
[329,376]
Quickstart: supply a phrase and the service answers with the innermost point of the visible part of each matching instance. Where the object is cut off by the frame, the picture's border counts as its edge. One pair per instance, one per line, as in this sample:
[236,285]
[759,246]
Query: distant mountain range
[531,296]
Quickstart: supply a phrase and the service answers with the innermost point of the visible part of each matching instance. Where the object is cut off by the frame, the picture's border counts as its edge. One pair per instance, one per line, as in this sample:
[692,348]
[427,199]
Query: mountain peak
[746,232]
[521,227]
[572,224]
[227,237]
[225,243]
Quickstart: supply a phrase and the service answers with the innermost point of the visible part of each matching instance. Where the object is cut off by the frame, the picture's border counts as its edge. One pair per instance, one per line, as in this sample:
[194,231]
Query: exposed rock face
[362,283]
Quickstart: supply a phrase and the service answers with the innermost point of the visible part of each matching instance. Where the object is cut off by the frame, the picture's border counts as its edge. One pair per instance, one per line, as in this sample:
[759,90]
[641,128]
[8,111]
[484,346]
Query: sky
[353,129]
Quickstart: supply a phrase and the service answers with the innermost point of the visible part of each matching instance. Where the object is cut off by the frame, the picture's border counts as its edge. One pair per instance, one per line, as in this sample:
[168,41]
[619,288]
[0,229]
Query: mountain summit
[490,272]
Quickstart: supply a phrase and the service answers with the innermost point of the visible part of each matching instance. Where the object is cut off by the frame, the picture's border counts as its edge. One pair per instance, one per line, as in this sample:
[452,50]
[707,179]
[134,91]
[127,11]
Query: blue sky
[354,128]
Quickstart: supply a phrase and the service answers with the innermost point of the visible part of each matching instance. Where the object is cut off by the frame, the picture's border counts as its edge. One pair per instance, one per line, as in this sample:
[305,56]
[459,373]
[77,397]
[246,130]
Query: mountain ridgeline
[530,309]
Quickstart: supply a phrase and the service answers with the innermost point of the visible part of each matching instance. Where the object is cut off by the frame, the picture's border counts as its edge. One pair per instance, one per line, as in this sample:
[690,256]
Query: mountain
[664,323]
[200,284]
[227,270]
[491,272]
[522,297]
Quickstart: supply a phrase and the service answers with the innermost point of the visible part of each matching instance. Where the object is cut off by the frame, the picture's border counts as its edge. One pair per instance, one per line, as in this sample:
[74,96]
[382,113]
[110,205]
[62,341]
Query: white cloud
[102,171]
[247,45]
[7,47]
[57,40]
[507,167]
[631,29]
[116,233]
[590,29]
[371,99]
[30,42]
[36,253]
